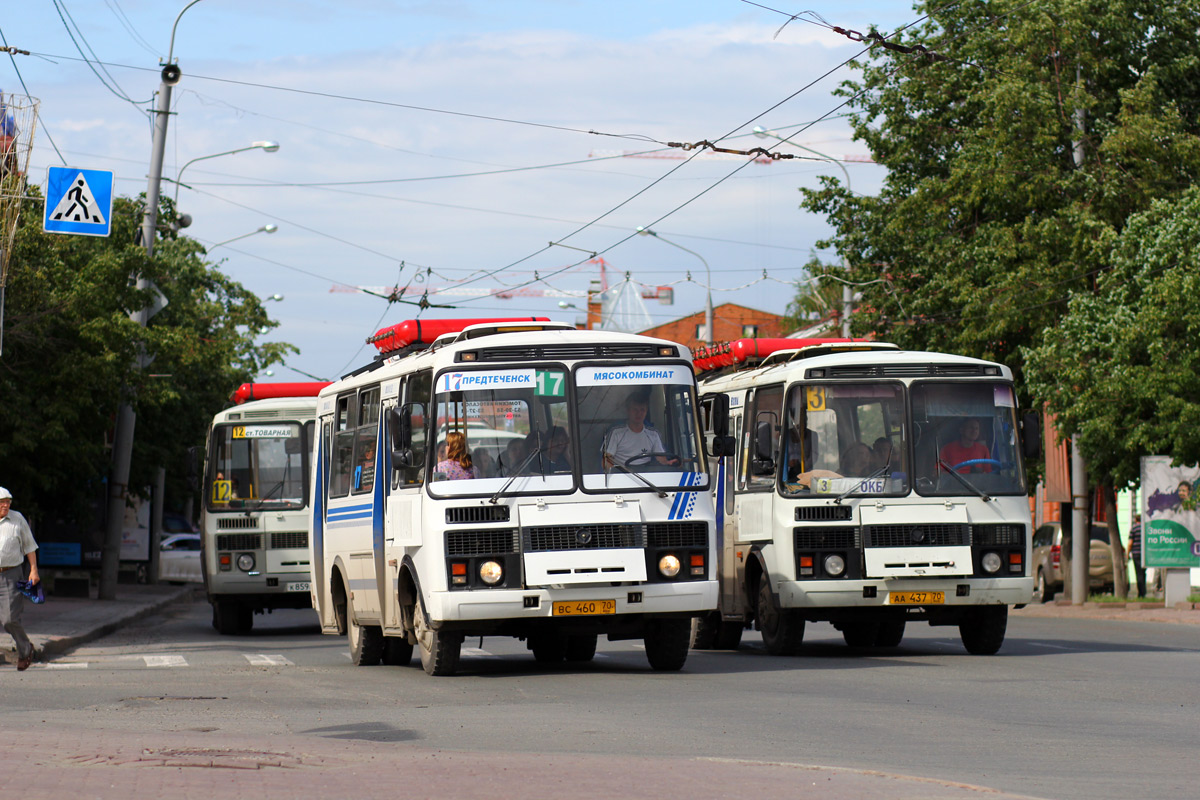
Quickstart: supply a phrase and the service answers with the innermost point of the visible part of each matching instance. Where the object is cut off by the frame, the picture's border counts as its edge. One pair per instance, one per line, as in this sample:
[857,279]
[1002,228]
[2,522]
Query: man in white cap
[16,547]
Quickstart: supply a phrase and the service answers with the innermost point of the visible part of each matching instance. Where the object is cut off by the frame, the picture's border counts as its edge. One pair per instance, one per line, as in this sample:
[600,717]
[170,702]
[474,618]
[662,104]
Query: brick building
[730,322]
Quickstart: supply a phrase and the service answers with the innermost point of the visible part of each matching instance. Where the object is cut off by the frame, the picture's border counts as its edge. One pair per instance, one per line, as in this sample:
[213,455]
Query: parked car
[179,558]
[1047,561]
[177,523]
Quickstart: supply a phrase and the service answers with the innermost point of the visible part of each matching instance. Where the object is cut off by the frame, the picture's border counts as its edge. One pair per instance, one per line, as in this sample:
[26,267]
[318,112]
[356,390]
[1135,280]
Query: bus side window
[417,391]
[341,459]
[363,471]
[766,431]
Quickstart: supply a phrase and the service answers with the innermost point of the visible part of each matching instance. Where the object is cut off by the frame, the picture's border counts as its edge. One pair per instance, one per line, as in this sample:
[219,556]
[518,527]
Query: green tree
[70,348]
[984,223]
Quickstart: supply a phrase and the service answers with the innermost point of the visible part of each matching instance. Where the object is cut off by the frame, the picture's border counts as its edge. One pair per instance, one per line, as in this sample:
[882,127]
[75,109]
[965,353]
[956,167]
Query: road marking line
[61,665]
[475,651]
[1056,646]
[260,660]
[165,661]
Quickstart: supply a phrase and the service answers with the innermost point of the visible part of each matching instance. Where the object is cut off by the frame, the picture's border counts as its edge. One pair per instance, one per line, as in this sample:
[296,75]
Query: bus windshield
[528,430]
[257,466]
[969,429]
[841,439]
[637,425]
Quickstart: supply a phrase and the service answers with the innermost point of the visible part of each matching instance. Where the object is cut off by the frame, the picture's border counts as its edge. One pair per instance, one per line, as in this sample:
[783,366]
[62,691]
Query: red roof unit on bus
[269,391]
[425,331]
[741,351]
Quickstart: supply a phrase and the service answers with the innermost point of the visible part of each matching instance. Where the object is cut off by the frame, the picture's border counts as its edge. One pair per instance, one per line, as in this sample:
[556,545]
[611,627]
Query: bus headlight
[834,565]
[245,562]
[991,562]
[668,566]
[491,573]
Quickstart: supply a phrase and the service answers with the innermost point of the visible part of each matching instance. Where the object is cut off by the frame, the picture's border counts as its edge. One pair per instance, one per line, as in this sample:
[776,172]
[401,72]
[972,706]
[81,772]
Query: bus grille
[469,515]
[826,538]
[285,539]
[583,537]
[998,535]
[238,541]
[677,534]
[823,513]
[494,541]
[236,523]
[916,535]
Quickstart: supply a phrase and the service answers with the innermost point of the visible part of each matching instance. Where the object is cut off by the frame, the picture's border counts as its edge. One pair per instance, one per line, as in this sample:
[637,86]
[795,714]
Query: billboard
[1170,513]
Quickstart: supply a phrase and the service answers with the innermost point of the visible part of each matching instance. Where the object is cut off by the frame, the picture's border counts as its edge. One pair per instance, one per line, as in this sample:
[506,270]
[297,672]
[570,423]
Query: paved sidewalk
[1182,614]
[62,623]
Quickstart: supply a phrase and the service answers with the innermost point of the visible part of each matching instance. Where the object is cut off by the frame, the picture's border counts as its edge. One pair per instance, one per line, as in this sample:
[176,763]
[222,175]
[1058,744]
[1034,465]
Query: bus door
[404,443]
[762,429]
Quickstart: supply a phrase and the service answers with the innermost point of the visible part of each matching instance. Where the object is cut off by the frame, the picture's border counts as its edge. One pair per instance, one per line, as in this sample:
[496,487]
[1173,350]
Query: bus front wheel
[982,629]
[440,650]
[232,619]
[782,629]
[667,642]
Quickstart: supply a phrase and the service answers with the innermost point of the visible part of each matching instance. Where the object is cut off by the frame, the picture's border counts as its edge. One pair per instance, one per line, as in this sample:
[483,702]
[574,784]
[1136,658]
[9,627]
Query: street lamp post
[268,228]
[847,292]
[266,146]
[110,551]
[708,306]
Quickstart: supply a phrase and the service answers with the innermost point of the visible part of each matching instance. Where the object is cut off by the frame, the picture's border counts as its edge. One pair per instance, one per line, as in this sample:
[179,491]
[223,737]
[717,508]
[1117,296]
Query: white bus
[542,538]
[254,523]
[871,487]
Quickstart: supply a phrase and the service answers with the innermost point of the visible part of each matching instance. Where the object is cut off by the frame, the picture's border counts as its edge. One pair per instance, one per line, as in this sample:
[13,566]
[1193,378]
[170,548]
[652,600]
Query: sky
[449,144]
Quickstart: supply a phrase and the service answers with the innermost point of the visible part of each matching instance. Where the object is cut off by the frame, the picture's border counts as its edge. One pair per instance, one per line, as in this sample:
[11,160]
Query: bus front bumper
[683,597]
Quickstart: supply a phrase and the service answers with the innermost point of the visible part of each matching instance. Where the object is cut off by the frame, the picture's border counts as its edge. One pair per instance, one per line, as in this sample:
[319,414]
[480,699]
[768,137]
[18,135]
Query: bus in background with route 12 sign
[254,522]
[871,487]
[512,477]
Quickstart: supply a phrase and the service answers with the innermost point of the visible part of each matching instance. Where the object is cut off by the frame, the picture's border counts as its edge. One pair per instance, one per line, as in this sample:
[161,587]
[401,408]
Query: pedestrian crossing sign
[78,201]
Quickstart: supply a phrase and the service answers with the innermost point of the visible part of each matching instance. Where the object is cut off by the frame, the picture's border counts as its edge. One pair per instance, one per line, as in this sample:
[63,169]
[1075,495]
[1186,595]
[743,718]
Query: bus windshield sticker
[1003,396]
[263,431]
[479,380]
[633,376]
[551,383]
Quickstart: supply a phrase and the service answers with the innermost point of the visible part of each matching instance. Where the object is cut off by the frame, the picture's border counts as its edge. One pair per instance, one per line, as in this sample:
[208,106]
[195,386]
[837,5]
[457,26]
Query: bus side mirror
[718,422]
[718,446]
[1031,434]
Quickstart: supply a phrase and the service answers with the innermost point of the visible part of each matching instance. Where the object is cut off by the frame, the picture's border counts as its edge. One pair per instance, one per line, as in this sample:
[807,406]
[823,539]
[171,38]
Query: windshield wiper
[516,473]
[637,475]
[837,501]
[986,498]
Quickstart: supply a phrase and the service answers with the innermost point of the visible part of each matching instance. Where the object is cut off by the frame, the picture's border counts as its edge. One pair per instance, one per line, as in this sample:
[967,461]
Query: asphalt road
[1068,709]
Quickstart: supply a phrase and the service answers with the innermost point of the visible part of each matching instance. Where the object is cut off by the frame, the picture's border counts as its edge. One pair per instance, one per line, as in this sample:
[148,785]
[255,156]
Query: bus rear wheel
[366,642]
[440,650]
[667,642]
[548,648]
[397,652]
[581,647]
[860,634]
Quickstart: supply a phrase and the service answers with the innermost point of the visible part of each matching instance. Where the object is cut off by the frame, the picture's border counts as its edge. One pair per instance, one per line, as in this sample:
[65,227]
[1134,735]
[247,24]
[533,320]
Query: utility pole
[118,482]
[1080,524]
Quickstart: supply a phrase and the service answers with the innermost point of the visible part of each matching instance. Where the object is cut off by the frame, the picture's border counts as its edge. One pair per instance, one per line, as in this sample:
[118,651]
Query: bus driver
[633,439]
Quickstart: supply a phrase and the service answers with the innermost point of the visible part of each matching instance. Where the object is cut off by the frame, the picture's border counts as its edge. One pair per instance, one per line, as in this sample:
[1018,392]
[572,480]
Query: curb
[60,645]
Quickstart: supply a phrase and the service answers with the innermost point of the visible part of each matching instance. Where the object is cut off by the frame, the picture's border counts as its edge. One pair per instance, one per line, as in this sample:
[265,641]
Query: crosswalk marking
[475,651]
[260,660]
[165,661]
[69,665]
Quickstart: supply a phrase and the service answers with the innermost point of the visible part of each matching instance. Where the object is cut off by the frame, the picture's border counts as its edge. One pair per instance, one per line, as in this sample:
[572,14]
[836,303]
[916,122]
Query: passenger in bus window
[457,465]
[856,460]
[365,474]
[556,454]
[484,464]
[967,447]
[514,454]
[881,453]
